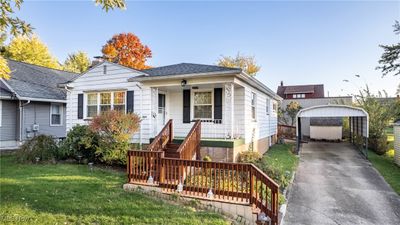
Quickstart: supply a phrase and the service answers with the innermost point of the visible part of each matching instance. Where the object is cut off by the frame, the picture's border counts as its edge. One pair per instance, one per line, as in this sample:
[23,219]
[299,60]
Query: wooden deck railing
[241,183]
[164,137]
[191,145]
[143,164]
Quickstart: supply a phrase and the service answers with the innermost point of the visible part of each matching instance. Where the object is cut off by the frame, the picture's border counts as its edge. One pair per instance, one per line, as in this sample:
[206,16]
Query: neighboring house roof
[316,89]
[188,68]
[30,81]
[299,89]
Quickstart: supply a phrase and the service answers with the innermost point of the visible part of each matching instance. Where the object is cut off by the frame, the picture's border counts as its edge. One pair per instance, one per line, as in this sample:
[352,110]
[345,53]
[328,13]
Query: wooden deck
[240,183]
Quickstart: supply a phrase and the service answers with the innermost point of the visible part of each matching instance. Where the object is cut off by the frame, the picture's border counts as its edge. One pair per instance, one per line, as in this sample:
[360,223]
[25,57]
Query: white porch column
[229,110]
[154,109]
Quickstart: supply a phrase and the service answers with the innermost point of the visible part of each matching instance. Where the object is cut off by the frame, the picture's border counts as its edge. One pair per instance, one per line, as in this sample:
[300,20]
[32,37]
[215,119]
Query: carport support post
[298,134]
[350,127]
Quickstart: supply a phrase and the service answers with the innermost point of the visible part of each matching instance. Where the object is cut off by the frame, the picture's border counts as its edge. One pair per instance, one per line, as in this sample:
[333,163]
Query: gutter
[42,99]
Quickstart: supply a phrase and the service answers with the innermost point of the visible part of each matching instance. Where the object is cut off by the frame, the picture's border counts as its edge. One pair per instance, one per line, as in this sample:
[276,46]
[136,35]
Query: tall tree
[390,59]
[111,4]
[31,50]
[126,49]
[291,110]
[246,63]
[15,26]
[77,62]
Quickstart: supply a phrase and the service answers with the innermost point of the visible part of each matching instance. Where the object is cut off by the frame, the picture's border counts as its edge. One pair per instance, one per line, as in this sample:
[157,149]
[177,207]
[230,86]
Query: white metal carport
[358,120]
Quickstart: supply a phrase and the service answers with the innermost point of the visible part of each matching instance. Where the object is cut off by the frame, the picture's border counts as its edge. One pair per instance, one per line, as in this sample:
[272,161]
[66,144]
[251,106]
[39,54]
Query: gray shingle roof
[187,68]
[31,81]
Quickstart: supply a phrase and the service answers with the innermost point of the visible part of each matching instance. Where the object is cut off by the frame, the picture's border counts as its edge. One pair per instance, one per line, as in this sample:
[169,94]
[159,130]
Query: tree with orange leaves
[126,49]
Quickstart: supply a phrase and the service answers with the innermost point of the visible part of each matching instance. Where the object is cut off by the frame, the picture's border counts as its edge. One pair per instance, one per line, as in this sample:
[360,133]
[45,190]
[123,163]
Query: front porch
[219,107]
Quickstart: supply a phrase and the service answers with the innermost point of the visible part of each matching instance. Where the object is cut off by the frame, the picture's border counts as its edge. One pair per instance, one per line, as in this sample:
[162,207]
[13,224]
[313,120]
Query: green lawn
[71,194]
[386,168]
[280,156]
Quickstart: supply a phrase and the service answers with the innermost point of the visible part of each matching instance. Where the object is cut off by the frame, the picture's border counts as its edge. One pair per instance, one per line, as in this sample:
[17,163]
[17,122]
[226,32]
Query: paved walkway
[334,184]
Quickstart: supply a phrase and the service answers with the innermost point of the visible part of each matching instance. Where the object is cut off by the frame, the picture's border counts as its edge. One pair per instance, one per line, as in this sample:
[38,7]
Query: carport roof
[332,111]
[338,111]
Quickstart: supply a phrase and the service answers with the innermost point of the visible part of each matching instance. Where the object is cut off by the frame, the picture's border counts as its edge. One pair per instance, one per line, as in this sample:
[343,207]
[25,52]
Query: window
[202,103]
[91,104]
[253,105]
[267,106]
[55,114]
[104,101]
[119,101]
[274,107]
[299,95]
[105,69]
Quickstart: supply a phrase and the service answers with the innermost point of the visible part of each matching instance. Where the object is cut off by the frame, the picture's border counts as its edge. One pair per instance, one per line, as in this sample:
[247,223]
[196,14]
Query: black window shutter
[80,106]
[186,106]
[218,104]
[129,101]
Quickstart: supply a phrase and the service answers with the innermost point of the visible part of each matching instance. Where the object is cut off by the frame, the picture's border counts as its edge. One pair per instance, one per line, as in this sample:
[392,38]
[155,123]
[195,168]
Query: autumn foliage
[115,128]
[126,49]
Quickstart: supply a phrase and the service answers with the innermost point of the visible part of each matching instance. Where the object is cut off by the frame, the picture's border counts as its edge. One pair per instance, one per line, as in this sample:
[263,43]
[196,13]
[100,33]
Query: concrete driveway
[334,184]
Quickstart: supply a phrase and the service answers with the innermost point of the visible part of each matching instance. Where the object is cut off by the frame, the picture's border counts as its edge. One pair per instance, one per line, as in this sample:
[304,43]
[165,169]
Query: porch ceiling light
[183,83]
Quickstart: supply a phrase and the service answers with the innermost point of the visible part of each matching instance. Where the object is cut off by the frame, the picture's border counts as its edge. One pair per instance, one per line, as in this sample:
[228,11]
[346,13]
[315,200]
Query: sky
[297,42]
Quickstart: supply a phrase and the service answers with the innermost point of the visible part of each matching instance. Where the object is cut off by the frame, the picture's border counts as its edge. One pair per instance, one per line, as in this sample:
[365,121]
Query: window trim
[85,101]
[85,104]
[193,105]
[274,107]
[61,114]
[253,106]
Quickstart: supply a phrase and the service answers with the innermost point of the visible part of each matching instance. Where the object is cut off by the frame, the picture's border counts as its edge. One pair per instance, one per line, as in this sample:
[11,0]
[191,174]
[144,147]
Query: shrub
[248,157]
[207,158]
[278,174]
[115,129]
[41,146]
[380,115]
[81,140]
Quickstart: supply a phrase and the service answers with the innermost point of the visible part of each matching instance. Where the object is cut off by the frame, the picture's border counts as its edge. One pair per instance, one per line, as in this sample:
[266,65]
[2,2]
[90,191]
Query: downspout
[21,117]
[141,116]
[66,105]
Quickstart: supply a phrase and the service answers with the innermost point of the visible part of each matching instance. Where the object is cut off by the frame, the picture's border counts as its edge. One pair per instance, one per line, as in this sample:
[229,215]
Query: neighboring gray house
[31,103]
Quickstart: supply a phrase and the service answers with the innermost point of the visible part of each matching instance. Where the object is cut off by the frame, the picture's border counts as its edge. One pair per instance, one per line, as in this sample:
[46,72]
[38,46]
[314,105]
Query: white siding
[239,114]
[115,78]
[265,125]
[209,130]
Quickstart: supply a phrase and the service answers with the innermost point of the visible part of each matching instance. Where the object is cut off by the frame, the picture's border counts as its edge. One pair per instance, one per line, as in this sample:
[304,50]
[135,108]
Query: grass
[71,194]
[280,156]
[387,168]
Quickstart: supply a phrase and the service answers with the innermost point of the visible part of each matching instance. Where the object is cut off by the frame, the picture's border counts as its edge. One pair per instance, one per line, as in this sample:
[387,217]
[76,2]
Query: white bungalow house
[237,111]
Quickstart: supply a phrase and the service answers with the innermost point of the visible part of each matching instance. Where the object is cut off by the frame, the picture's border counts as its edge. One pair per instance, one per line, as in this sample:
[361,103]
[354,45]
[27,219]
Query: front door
[161,112]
